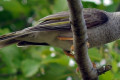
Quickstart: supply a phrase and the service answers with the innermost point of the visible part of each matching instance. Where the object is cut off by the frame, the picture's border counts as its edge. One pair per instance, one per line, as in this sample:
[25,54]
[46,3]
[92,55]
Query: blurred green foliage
[43,62]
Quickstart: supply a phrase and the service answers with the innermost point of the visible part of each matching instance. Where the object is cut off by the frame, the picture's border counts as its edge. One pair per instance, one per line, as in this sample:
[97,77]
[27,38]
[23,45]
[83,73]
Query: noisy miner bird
[55,30]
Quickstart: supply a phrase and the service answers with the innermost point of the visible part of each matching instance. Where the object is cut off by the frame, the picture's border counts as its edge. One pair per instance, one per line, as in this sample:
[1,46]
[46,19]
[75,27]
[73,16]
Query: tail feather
[8,42]
[9,39]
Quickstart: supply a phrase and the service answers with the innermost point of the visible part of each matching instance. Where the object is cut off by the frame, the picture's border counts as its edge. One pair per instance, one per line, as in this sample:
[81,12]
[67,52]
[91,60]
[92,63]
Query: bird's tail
[11,38]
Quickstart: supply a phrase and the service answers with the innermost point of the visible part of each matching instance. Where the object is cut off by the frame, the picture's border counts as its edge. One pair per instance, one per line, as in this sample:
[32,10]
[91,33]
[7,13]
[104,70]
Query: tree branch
[104,69]
[80,38]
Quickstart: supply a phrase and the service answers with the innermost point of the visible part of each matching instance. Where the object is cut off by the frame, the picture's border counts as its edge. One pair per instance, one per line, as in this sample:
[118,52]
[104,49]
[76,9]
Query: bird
[55,30]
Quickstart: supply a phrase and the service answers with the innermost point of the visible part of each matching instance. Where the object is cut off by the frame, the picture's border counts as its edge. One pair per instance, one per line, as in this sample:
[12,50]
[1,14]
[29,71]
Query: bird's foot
[71,52]
[68,53]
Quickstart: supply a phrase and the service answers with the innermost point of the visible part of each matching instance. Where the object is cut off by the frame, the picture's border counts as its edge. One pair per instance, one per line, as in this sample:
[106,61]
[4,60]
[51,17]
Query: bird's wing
[60,21]
[95,17]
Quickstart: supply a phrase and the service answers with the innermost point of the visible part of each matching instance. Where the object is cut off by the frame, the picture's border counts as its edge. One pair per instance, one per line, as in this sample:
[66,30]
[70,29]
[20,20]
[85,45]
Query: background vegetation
[48,63]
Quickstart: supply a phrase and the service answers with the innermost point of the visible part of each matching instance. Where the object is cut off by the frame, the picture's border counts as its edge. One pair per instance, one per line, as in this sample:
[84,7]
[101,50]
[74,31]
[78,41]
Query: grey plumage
[103,27]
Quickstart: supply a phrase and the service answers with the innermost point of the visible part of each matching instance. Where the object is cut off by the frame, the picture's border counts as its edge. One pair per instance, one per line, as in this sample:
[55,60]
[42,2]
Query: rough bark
[79,30]
[80,39]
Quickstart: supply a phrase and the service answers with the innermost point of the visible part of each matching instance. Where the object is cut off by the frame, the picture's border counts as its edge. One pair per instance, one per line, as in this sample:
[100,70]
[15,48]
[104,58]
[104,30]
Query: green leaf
[60,5]
[94,54]
[112,7]
[4,31]
[56,72]
[13,6]
[89,4]
[114,66]
[30,67]
[10,55]
[110,45]
[64,60]
[107,76]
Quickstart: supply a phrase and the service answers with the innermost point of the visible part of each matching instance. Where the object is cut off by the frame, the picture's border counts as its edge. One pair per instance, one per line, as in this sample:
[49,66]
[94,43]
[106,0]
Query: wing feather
[60,21]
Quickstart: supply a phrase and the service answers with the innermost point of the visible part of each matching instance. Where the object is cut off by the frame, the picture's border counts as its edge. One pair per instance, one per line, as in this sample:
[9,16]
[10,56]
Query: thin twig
[104,69]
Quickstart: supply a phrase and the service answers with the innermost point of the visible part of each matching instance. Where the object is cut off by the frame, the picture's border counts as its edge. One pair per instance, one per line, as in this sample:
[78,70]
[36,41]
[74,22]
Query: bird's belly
[95,38]
[49,37]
